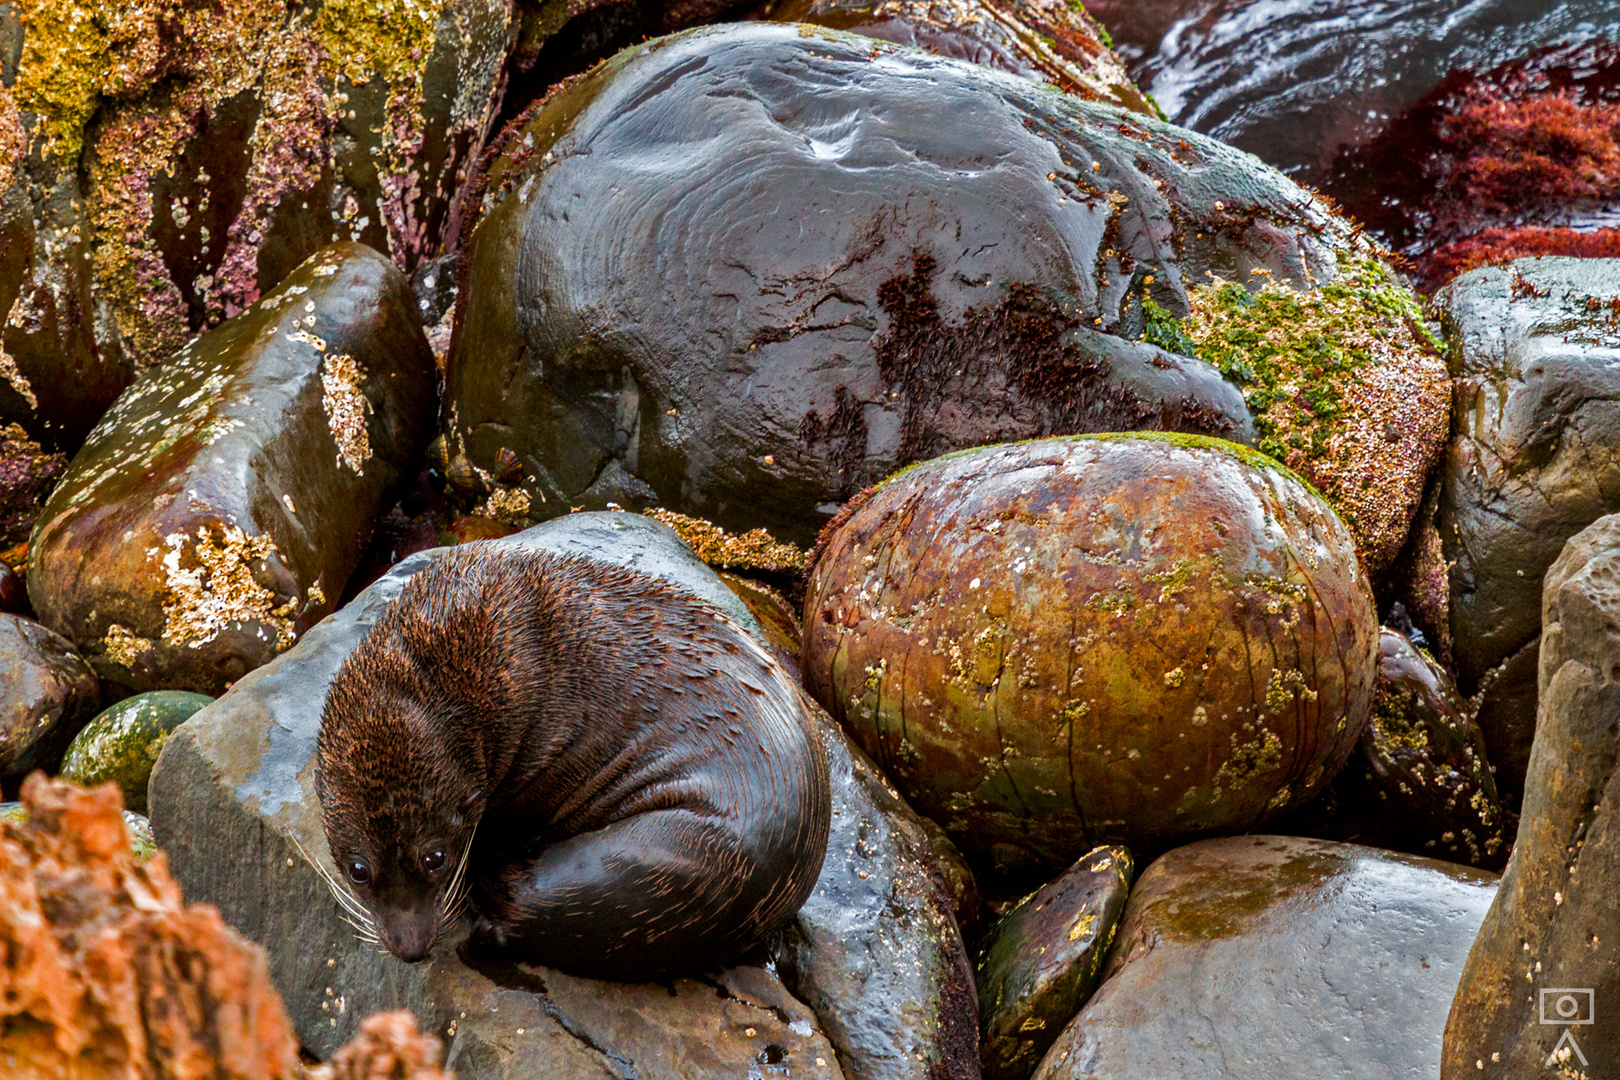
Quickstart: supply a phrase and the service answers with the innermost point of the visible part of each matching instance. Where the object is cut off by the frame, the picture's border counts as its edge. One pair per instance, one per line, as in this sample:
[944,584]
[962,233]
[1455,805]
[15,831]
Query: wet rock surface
[121,743]
[876,950]
[1532,462]
[1295,82]
[1045,957]
[108,971]
[1550,926]
[236,778]
[217,511]
[1420,779]
[47,693]
[183,161]
[1275,957]
[1047,40]
[1071,641]
[908,298]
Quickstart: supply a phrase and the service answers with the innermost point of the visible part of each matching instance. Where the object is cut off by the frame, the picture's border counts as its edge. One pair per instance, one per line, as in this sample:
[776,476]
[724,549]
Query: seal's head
[400,802]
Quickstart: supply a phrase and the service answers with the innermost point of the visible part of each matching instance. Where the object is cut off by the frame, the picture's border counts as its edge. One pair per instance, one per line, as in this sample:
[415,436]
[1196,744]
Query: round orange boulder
[1122,638]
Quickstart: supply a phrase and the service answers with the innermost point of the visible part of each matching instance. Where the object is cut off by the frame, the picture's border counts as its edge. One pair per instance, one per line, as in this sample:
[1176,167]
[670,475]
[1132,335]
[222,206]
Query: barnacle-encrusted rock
[1055,41]
[1536,458]
[1346,384]
[1135,638]
[1045,957]
[28,472]
[746,271]
[1419,781]
[220,506]
[185,157]
[121,743]
[1275,958]
[47,693]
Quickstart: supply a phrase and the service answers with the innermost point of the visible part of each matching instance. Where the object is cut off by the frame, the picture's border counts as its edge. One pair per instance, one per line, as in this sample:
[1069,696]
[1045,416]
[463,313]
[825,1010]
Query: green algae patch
[122,743]
[1345,382]
[63,66]
[387,38]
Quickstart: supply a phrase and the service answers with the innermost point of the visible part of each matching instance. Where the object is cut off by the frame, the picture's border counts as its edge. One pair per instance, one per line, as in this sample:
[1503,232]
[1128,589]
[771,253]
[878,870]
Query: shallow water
[1294,80]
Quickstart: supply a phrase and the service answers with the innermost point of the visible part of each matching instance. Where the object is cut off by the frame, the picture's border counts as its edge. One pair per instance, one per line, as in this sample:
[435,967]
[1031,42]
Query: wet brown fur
[641,788]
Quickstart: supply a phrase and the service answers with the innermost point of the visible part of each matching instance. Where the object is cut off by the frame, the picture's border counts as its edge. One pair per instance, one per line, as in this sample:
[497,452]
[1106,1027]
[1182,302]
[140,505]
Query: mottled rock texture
[744,272]
[1045,957]
[1420,779]
[122,742]
[47,693]
[182,158]
[218,509]
[1070,641]
[28,472]
[1274,958]
[107,973]
[1552,925]
[1051,41]
[236,778]
[1534,460]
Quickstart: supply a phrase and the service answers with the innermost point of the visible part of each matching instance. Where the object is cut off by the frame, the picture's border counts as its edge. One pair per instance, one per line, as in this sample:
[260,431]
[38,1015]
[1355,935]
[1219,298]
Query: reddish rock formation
[106,972]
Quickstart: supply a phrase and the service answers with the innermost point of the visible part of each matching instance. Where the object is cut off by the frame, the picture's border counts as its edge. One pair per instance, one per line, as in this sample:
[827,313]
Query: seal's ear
[467,806]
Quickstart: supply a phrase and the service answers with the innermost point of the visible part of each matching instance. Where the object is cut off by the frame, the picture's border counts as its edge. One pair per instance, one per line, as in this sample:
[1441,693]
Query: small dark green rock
[1044,958]
[122,743]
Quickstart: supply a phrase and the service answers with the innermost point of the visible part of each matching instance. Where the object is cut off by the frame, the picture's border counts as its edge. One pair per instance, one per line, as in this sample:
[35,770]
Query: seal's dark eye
[432,861]
[359,872]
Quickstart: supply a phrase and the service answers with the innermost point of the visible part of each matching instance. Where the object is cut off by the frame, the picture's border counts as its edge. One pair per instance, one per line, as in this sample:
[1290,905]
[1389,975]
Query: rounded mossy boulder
[121,743]
[1140,639]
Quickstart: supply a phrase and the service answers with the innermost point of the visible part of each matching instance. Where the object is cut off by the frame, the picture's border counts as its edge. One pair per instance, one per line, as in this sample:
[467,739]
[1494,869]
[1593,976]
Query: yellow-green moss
[63,66]
[1293,353]
[389,38]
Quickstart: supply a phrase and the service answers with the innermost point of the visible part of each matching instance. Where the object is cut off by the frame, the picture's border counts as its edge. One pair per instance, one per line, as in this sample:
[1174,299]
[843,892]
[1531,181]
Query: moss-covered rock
[1055,41]
[186,157]
[1118,638]
[217,511]
[121,744]
[1346,383]
[744,272]
[47,693]
[1044,958]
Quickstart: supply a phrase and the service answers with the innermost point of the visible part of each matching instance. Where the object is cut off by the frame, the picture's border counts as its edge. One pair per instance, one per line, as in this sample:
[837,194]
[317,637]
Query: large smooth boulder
[1274,958]
[1059,643]
[746,271]
[1535,459]
[237,777]
[1550,934]
[219,508]
[47,693]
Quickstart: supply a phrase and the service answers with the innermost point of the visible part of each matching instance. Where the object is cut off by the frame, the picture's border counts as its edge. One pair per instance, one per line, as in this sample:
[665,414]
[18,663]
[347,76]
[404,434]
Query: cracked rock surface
[1273,958]
[1552,925]
[1535,458]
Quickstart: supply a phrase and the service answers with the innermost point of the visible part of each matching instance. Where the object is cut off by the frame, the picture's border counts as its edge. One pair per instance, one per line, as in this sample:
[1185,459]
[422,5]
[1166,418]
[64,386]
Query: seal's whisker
[455,894]
[348,902]
[366,936]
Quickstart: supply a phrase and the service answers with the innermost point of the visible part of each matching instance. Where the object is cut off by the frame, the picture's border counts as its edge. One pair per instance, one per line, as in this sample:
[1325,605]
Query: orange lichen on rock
[106,972]
[388,1048]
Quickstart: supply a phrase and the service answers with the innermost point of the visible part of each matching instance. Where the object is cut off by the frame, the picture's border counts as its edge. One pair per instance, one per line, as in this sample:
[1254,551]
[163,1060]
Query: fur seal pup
[616,776]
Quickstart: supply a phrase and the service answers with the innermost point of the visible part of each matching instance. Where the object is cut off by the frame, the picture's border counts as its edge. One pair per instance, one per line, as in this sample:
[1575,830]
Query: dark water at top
[1294,80]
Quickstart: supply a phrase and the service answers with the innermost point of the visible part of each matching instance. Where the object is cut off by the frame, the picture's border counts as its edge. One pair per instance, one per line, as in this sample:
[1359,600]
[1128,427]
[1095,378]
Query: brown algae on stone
[63,65]
[220,588]
[346,407]
[755,549]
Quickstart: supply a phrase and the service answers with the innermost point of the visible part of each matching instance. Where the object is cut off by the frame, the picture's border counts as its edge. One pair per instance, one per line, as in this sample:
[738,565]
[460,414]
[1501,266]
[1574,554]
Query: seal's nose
[412,954]
[409,937]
